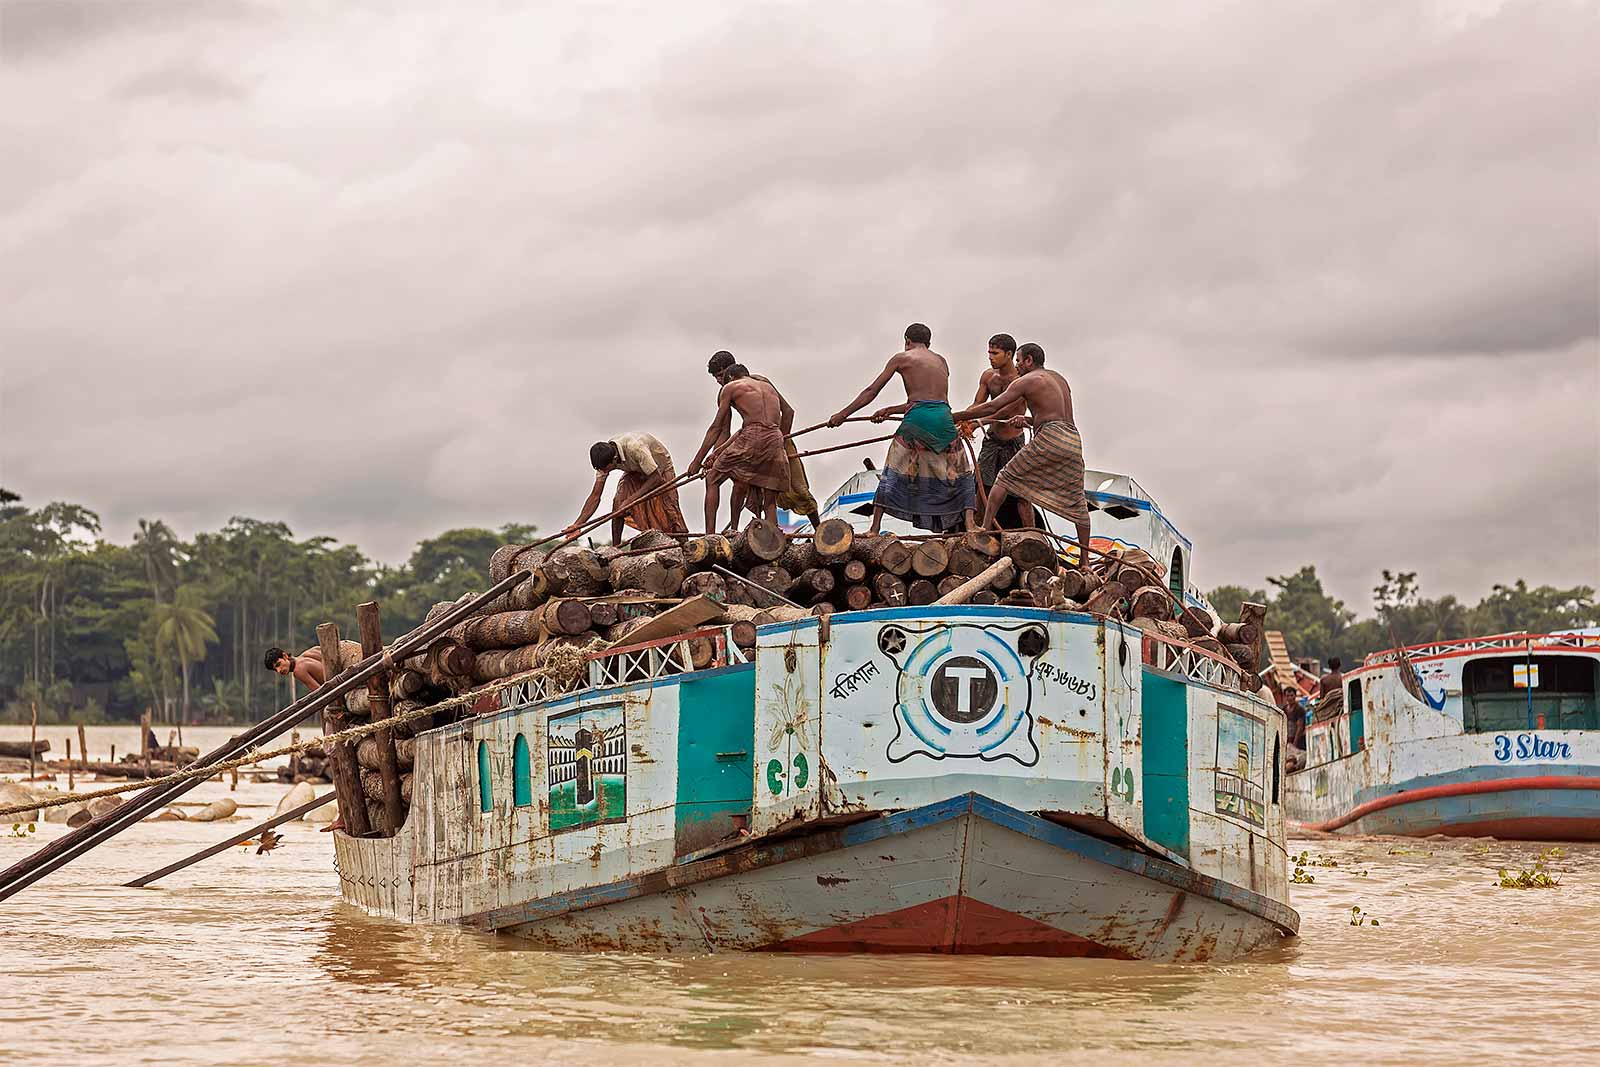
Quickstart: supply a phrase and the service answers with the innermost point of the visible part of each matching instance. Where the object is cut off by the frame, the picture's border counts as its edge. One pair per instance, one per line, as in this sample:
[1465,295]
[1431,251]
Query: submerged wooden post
[394,808]
[71,785]
[33,739]
[144,742]
[83,747]
[346,778]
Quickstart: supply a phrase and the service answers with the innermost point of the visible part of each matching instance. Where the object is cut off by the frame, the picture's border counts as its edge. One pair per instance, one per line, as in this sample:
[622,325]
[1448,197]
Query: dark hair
[602,454]
[719,362]
[1004,342]
[919,334]
[735,370]
[1033,352]
[274,654]
[1333,664]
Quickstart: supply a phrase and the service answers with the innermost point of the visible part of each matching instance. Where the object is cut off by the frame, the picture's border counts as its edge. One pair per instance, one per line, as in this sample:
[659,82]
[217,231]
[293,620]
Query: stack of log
[580,600]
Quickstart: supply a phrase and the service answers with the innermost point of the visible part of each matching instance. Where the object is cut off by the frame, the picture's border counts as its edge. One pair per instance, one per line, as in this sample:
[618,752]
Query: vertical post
[294,757]
[33,738]
[144,742]
[71,785]
[335,717]
[394,808]
[83,747]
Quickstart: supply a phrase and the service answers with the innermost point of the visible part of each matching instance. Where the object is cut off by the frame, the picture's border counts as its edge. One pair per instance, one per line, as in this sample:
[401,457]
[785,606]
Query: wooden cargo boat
[977,779]
[1483,737]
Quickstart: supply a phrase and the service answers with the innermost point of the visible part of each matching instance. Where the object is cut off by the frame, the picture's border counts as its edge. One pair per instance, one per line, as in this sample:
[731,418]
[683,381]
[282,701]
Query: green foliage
[164,622]
[1316,625]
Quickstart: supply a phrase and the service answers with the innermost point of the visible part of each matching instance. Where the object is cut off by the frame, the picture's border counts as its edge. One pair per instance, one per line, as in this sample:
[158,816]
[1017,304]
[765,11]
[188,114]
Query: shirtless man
[927,478]
[1001,441]
[798,499]
[306,668]
[754,458]
[1048,472]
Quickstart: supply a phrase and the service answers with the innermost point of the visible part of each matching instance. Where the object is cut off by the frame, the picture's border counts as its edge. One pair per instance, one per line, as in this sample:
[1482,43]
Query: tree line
[90,629]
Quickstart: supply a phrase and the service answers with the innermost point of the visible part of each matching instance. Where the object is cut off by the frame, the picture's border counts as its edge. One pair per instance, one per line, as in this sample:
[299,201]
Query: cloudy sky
[1323,275]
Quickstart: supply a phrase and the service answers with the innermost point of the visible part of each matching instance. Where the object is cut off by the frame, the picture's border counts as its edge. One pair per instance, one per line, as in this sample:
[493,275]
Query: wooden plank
[686,616]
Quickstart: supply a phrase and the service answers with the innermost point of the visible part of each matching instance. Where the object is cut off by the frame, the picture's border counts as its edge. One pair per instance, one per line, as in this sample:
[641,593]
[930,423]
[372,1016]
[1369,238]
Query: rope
[558,668]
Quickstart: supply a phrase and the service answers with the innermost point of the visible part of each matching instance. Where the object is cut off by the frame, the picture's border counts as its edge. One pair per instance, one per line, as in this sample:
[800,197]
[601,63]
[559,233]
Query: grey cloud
[38,29]
[1269,245]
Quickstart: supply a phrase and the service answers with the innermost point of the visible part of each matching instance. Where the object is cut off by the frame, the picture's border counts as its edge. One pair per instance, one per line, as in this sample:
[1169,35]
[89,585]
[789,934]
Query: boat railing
[647,661]
[1192,662]
[1517,642]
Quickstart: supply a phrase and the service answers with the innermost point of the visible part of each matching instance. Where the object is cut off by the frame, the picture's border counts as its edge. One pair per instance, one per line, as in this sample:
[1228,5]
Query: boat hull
[966,875]
[1482,802]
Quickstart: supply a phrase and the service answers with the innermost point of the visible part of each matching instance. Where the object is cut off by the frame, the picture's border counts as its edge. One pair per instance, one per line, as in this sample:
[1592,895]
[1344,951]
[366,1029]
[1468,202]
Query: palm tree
[159,549]
[183,630]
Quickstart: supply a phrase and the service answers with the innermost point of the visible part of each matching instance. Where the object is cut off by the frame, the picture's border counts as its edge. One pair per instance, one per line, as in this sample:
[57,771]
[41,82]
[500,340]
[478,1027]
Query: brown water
[250,959]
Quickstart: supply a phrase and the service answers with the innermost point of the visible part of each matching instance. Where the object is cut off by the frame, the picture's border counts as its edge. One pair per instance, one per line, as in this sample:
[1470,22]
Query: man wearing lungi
[1048,472]
[927,478]
[754,458]
[797,498]
[645,466]
[1000,440]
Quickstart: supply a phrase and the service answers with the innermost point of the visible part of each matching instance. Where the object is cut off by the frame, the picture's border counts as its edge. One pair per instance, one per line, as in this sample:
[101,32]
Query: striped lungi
[931,490]
[1048,472]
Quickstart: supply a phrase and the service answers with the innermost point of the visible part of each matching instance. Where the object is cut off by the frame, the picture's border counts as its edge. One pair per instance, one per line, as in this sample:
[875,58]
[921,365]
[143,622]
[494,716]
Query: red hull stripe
[1456,789]
[956,924]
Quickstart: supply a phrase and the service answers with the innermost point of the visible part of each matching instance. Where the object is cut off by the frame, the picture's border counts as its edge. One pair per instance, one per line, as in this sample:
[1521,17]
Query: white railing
[647,661]
[1191,662]
[1495,643]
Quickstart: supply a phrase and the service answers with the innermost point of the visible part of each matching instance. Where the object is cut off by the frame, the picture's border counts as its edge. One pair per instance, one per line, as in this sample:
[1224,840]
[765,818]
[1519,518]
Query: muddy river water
[250,959]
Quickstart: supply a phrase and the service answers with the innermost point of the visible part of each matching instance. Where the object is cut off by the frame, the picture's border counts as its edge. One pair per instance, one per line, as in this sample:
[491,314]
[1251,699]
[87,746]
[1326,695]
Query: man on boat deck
[1048,472]
[927,478]
[1001,441]
[307,668]
[1333,681]
[754,458]
[797,498]
[646,466]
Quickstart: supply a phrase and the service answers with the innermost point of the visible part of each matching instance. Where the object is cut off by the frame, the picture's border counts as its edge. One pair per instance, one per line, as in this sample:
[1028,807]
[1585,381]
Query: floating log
[1029,548]
[966,592]
[23,749]
[1150,602]
[890,589]
[760,542]
[930,558]
[833,539]
[217,809]
[857,597]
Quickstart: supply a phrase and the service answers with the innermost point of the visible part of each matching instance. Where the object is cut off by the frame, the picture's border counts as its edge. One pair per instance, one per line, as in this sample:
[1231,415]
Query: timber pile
[580,601]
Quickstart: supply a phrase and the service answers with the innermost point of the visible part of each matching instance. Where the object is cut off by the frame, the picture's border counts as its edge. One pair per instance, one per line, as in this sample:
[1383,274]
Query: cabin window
[1521,693]
[1277,764]
[521,774]
[1175,575]
[1357,713]
[485,787]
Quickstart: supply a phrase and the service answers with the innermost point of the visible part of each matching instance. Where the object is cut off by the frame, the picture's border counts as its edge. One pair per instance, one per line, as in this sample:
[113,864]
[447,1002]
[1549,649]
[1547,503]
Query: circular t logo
[963,689]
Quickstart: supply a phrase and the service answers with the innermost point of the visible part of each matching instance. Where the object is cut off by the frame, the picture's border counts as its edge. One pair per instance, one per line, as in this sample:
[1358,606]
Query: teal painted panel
[521,774]
[1164,709]
[1358,730]
[485,787]
[716,746]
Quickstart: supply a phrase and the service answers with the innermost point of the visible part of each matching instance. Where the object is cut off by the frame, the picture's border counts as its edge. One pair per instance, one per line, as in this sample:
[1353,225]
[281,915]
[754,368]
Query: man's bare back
[924,373]
[755,400]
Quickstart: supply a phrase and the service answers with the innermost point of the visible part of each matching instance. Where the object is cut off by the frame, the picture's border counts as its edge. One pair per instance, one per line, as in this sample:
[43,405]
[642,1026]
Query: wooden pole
[394,808]
[71,785]
[1000,570]
[144,741]
[277,820]
[33,737]
[83,747]
[346,777]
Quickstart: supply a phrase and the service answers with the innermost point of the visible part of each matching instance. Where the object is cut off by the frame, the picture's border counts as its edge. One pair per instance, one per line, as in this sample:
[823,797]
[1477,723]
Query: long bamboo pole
[221,846]
[70,846]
